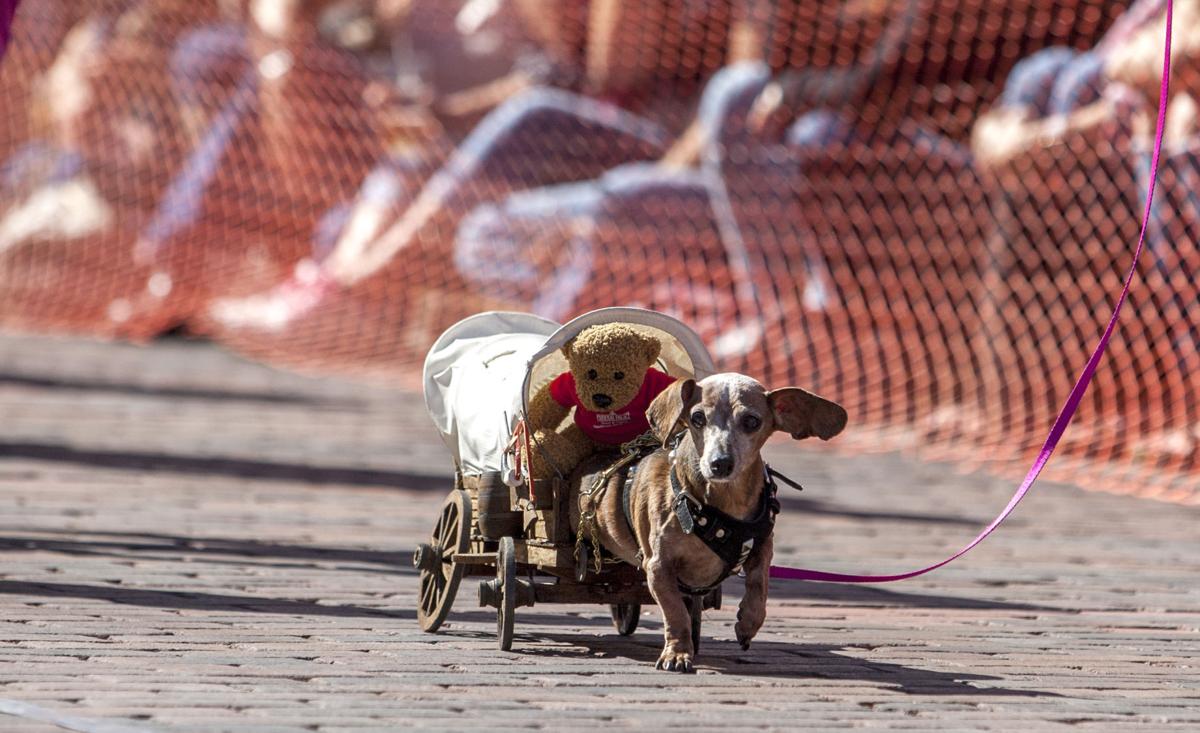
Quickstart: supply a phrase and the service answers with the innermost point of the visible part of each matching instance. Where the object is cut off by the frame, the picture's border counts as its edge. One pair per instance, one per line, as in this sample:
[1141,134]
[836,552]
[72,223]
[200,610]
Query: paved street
[190,542]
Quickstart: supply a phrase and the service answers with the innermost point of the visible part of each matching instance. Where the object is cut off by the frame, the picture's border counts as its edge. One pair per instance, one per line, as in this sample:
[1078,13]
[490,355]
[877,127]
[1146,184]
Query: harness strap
[776,474]
[589,498]
[681,504]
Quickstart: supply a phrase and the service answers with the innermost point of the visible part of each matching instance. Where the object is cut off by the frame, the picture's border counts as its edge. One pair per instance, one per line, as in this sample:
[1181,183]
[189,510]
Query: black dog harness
[733,540]
[627,476]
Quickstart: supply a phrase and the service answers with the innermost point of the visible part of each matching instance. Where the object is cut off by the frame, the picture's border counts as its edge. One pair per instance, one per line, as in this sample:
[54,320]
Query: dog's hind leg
[677,650]
[752,611]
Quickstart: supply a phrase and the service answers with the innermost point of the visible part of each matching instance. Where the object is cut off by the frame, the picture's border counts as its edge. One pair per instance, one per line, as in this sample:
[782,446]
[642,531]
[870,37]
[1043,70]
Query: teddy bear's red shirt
[618,426]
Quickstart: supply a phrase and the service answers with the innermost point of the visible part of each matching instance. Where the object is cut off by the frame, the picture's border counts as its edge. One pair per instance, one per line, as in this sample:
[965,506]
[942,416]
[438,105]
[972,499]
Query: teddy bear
[610,382]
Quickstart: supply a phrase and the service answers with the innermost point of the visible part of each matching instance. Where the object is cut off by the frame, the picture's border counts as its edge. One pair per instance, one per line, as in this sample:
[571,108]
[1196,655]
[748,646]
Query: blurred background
[920,208]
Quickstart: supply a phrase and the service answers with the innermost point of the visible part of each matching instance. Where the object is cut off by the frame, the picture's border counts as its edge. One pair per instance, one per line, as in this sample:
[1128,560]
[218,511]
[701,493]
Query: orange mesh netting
[920,208]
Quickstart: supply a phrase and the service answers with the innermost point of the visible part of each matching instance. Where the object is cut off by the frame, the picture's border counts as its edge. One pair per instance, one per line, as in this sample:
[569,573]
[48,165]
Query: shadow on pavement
[149,546]
[776,659]
[466,597]
[192,601]
[816,507]
[175,392]
[223,466]
[875,597]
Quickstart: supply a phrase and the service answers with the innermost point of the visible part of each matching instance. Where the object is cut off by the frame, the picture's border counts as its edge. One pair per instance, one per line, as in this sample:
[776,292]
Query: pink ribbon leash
[8,8]
[1072,403]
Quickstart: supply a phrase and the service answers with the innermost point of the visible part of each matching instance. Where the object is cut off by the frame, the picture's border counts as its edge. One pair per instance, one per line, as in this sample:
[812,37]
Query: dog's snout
[601,400]
[721,466]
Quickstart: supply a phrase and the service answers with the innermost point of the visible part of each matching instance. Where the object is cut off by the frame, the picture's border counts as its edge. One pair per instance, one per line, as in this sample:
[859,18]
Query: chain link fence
[920,208]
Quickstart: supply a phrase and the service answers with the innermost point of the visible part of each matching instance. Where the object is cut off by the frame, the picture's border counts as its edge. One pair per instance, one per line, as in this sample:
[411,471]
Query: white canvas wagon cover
[473,376]
[480,372]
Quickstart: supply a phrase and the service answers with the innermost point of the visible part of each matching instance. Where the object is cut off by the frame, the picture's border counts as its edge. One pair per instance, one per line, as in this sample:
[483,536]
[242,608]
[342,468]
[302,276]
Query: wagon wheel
[506,579]
[625,617]
[713,599]
[440,575]
[695,606]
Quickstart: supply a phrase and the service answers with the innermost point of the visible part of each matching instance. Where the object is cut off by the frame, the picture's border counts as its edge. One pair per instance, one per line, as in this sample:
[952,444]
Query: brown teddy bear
[610,383]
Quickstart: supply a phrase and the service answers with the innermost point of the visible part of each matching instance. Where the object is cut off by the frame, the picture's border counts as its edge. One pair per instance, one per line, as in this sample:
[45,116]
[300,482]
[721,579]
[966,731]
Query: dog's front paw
[675,661]
[743,637]
[747,627]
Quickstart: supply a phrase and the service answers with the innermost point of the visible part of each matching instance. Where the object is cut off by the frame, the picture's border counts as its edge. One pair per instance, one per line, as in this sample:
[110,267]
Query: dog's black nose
[721,467]
[602,400]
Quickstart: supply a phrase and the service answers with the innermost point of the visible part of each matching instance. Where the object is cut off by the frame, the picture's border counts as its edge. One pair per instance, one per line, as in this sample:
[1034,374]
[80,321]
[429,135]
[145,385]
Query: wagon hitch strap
[1073,399]
[631,452]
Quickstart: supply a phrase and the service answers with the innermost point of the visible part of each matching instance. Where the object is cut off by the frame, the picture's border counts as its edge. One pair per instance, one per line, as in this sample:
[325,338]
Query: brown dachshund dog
[721,424]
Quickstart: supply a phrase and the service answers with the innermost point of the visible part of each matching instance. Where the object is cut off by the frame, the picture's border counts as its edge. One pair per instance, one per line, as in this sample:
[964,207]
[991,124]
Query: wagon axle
[491,593]
[425,557]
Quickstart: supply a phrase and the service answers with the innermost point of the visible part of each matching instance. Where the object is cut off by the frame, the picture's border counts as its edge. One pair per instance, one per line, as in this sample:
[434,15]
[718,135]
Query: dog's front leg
[752,611]
[677,621]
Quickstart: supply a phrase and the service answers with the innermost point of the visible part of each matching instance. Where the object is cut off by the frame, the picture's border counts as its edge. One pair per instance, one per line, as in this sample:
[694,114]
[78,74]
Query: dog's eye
[592,374]
[698,419]
[619,376]
[751,423]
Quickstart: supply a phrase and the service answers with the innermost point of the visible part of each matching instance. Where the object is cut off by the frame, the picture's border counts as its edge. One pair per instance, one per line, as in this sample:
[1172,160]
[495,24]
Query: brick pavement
[192,543]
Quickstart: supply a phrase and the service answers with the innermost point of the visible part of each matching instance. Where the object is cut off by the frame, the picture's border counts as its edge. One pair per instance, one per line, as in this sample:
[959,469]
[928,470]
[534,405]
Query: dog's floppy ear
[669,407]
[804,414]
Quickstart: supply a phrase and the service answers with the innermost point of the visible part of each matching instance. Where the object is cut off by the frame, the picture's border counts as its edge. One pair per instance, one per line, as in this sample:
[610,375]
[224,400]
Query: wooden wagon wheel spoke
[428,590]
[440,578]
[443,529]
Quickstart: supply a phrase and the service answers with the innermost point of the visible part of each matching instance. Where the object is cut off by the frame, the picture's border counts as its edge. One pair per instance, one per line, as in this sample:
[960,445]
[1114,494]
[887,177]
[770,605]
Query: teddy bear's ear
[566,349]
[651,347]
[666,411]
